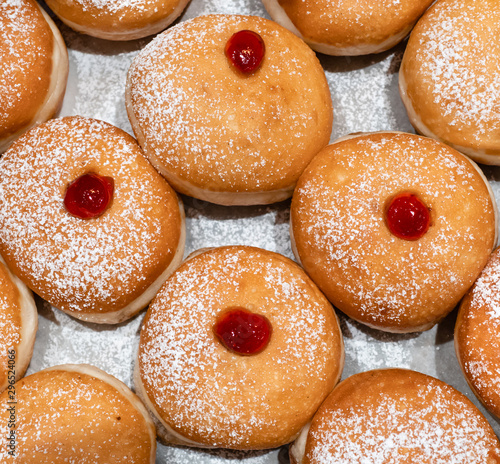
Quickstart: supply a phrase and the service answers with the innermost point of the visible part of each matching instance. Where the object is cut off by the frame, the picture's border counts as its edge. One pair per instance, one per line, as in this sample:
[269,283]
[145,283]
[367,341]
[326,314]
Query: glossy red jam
[243,332]
[245,50]
[89,195]
[407,217]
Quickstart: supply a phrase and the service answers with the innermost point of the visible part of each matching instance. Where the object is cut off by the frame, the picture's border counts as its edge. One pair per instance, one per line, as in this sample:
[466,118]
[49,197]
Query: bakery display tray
[365,98]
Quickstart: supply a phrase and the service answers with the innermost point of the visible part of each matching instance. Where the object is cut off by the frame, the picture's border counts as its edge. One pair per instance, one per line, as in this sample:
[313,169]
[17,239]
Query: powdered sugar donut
[118,19]
[348,220]
[220,134]
[101,267]
[396,416]
[449,77]
[476,335]
[74,413]
[18,325]
[348,27]
[33,68]
[209,389]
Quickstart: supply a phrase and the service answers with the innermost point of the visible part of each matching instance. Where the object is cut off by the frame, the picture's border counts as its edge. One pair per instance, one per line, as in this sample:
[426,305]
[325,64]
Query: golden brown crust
[396,415]
[77,413]
[343,242]
[118,19]
[10,321]
[18,325]
[33,68]
[214,397]
[92,266]
[476,335]
[348,27]
[448,77]
[207,127]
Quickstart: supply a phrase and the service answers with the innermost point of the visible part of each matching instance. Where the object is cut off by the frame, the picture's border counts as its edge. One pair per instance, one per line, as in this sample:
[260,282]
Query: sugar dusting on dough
[47,409]
[187,109]
[486,291]
[433,427]
[10,320]
[478,340]
[360,12]
[105,255]
[350,13]
[9,329]
[459,52]
[114,7]
[204,388]
[18,29]
[345,225]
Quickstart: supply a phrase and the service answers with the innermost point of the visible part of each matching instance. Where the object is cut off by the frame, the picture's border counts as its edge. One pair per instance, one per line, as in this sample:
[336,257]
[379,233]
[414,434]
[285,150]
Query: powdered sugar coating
[476,335]
[452,73]
[343,242]
[215,397]
[396,416]
[95,265]
[348,27]
[26,46]
[118,19]
[10,321]
[73,417]
[120,9]
[201,122]
[115,7]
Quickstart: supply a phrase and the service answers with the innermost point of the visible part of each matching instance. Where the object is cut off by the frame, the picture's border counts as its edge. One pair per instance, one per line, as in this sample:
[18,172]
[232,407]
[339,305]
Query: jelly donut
[476,335]
[86,222]
[394,228]
[74,413]
[18,324]
[118,19]
[33,68]
[238,350]
[230,109]
[449,77]
[348,27]
[396,416]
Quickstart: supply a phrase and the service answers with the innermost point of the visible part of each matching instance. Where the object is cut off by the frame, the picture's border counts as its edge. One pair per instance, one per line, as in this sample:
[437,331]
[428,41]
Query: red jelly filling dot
[243,332]
[245,50]
[407,217]
[89,195]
